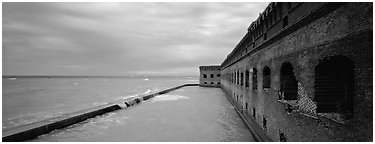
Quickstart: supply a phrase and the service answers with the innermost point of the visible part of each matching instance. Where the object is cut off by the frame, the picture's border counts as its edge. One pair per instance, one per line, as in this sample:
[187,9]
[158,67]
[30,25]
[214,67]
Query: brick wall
[212,78]
[325,30]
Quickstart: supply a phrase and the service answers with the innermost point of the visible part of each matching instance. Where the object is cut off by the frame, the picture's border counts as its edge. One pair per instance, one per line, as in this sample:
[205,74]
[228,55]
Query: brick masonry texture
[315,33]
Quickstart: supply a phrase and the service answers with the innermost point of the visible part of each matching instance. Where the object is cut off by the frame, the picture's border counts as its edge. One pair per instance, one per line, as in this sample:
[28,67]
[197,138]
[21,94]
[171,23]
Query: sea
[189,114]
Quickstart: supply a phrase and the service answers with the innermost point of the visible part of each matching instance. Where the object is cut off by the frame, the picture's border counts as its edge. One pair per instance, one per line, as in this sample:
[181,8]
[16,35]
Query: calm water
[188,114]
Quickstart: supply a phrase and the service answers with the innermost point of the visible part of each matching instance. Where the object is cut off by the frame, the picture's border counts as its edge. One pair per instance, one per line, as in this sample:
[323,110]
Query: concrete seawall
[30,131]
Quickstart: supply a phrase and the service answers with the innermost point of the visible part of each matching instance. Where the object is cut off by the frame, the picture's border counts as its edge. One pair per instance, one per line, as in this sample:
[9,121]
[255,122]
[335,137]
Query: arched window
[255,79]
[212,83]
[204,76]
[266,77]
[218,75]
[212,76]
[334,86]
[247,75]
[288,82]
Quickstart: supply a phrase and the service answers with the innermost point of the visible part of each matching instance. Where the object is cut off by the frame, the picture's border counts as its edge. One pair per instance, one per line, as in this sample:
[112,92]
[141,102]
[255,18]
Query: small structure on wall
[209,76]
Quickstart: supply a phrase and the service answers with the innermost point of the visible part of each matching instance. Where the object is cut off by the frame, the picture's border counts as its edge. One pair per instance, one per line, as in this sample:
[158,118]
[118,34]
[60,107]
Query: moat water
[187,114]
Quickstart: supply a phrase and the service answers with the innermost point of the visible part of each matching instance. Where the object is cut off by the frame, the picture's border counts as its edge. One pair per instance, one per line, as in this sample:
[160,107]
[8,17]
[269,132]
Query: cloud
[121,38]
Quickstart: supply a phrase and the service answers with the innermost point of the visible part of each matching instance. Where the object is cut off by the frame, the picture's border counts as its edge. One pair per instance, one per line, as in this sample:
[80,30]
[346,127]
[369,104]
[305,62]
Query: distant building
[209,76]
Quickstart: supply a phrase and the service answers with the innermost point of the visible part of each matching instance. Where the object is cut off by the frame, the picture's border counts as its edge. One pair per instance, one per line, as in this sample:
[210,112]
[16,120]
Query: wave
[148,91]
[167,97]
[29,118]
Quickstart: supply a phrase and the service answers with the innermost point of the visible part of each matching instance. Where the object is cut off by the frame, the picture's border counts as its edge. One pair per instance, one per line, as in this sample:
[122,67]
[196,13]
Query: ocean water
[187,114]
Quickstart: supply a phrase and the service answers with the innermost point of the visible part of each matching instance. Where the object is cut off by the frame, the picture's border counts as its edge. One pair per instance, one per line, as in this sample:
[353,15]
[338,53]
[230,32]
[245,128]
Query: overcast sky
[121,38]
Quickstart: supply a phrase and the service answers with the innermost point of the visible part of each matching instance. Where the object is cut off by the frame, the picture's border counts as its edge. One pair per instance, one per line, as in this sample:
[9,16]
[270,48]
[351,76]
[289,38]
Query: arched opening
[218,75]
[212,76]
[247,75]
[334,86]
[255,78]
[288,82]
[212,83]
[204,76]
[266,77]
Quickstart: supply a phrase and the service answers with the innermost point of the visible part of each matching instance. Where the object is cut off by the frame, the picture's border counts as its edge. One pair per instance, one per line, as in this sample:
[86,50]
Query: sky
[120,39]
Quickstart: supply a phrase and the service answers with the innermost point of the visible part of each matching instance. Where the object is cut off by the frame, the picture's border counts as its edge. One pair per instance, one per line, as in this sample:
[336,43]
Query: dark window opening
[285,21]
[204,76]
[247,75]
[205,82]
[264,123]
[237,97]
[266,77]
[212,75]
[265,36]
[254,115]
[241,78]
[212,83]
[246,106]
[334,86]
[282,136]
[288,82]
[218,82]
[255,78]
[218,75]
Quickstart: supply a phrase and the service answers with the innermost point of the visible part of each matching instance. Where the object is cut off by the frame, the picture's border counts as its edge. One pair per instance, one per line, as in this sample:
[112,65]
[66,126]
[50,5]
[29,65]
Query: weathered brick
[316,32]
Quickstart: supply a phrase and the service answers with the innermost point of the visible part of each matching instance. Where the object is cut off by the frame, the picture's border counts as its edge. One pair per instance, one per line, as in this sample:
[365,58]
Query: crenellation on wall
[317,33]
